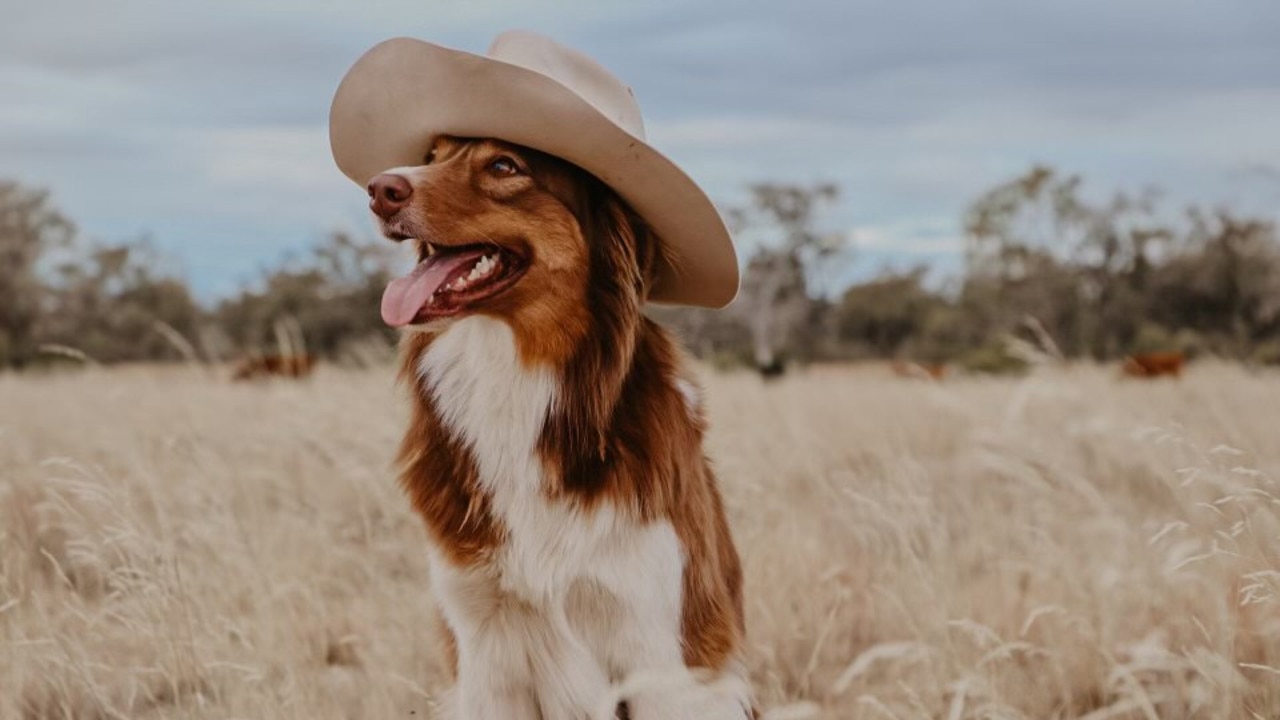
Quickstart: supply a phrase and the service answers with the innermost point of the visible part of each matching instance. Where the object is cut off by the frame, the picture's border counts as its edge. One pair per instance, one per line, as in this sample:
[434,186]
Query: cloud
[205,123]
[915,239]
[292,159]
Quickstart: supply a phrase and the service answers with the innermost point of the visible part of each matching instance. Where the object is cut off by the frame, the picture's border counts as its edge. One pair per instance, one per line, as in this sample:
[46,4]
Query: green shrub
[1153,338]
[1189,343]
[1267,353]
[993,358]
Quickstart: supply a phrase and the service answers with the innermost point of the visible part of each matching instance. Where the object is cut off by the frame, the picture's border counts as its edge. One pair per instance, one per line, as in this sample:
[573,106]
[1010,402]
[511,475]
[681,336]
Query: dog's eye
[503,165]
[430,157]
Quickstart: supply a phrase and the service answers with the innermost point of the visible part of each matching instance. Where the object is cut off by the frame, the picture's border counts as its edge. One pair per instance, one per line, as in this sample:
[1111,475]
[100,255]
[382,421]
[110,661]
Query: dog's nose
[388,193]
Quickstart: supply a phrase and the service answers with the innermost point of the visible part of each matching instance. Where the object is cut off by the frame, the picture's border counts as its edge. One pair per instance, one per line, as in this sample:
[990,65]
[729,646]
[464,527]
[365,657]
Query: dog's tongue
[405,296]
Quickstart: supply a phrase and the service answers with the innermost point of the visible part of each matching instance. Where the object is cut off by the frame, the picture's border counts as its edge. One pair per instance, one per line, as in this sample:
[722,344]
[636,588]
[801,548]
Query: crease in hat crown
[589,79]
[530,90]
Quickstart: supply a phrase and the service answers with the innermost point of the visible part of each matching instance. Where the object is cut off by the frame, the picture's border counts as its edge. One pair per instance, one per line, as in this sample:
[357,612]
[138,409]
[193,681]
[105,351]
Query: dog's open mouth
[448,281]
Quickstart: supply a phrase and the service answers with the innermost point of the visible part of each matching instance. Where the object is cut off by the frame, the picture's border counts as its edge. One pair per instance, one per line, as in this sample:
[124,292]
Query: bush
[1267,353]
[1190,343]
[993,358]
[1152,338]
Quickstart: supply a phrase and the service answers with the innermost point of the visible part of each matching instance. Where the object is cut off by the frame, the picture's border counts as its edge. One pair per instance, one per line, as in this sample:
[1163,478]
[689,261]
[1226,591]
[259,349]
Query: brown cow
[1153,365]
[265,366]
[919,371]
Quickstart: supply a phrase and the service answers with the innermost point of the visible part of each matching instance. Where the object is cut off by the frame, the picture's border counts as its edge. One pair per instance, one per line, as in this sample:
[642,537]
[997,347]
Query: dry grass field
[1059,546]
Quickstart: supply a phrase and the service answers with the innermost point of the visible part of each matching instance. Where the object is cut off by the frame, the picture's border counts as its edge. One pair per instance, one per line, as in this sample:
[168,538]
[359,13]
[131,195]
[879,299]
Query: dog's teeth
[483,267]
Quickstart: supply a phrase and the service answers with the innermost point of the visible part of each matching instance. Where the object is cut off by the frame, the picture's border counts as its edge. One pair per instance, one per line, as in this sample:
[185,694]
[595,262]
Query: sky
[203,125]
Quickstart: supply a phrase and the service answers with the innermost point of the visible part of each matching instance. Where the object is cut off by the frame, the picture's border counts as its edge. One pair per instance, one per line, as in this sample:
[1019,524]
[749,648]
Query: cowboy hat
[532,91]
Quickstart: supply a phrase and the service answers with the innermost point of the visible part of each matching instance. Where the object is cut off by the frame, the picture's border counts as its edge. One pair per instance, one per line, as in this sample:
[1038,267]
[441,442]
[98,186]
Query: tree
[1223,282]
[1036,247]
[775,300]
[895,314]
[332,295]
[117,306]
[30,229]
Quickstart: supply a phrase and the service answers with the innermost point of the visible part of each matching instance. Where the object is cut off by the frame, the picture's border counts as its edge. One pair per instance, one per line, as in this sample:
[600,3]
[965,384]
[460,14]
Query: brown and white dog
[577,537]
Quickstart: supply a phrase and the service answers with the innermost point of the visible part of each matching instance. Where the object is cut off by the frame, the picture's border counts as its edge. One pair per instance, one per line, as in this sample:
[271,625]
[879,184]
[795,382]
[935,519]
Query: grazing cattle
[920,371]
[1153,365]
[264,366]
[772,370]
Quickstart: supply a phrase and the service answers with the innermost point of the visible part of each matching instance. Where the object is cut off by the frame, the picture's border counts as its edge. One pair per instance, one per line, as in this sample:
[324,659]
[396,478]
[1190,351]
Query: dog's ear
[621,243]
[651,253]
[621,251]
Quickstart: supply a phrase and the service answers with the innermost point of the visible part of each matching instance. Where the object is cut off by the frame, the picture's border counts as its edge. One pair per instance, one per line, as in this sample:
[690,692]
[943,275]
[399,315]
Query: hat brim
[404,92]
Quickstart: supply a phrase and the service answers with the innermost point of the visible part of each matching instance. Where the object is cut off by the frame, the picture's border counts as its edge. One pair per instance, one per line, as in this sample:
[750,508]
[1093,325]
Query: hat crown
[585,77]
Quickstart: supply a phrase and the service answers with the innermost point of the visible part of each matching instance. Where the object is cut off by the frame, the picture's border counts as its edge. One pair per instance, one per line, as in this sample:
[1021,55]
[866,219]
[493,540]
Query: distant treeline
[1045,272]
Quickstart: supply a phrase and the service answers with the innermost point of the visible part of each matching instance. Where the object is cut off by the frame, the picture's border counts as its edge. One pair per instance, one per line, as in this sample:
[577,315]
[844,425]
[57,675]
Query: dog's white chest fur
[573,600]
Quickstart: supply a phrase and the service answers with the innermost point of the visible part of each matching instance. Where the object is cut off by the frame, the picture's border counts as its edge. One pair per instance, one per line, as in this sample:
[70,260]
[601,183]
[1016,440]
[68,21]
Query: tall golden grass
[1065,545]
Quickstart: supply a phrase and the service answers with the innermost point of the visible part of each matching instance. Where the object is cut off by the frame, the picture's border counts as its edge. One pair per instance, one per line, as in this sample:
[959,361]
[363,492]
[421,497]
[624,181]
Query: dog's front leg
[647,643]
[571,683]
[495,676]
[476,700]
[495,680]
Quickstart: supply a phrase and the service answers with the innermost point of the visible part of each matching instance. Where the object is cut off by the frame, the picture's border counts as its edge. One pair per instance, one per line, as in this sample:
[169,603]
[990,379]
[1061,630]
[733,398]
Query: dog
[578,538]
[579,549]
